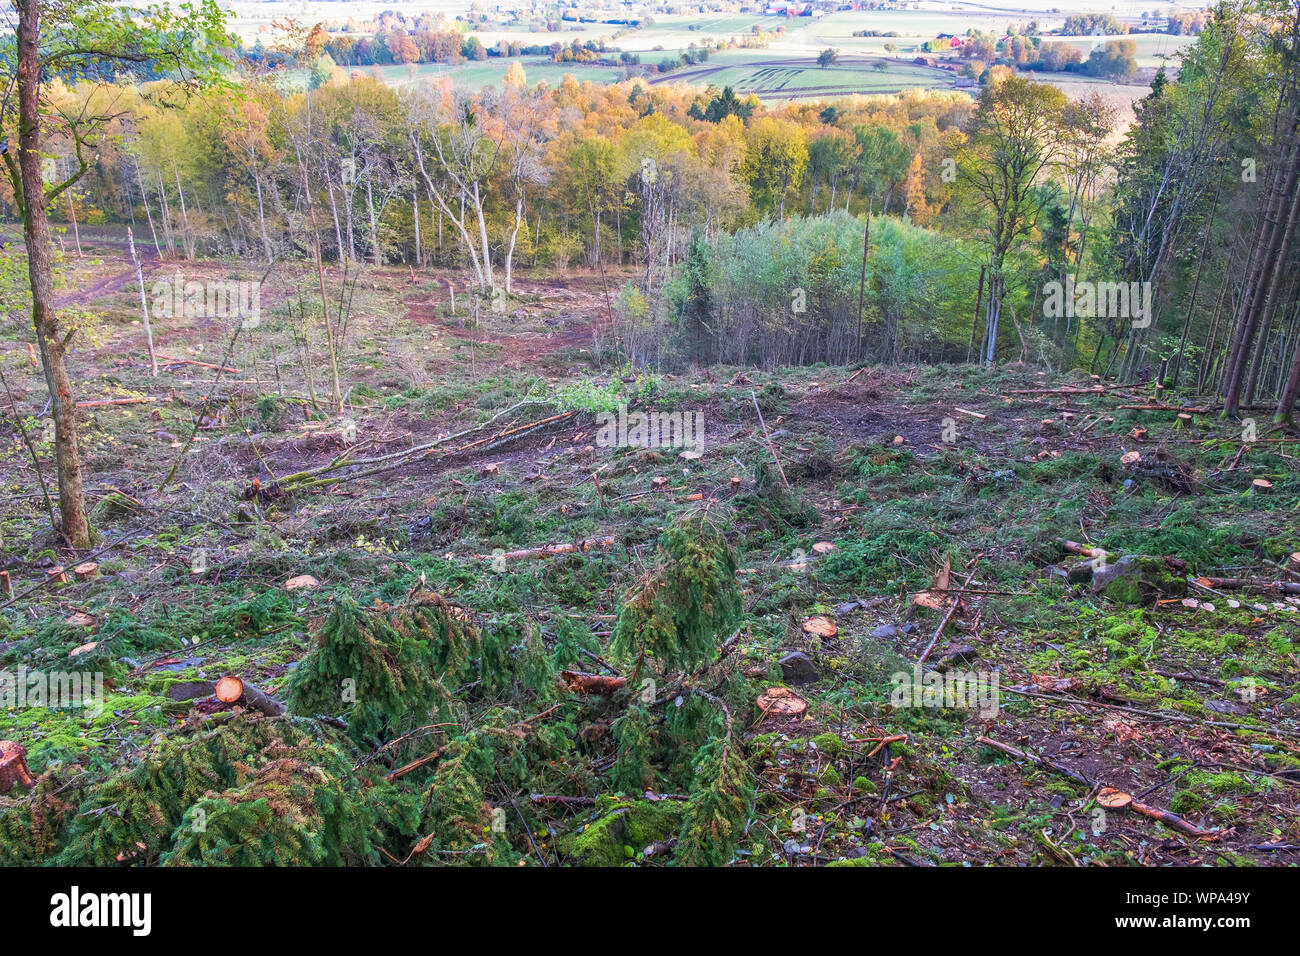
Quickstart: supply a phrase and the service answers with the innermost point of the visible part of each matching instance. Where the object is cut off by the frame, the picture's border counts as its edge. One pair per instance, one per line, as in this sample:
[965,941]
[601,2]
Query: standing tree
[73,41]
[1015,136]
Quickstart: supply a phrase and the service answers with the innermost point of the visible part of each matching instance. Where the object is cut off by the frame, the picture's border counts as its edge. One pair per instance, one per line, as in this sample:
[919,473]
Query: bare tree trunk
[144,303]
[29,190]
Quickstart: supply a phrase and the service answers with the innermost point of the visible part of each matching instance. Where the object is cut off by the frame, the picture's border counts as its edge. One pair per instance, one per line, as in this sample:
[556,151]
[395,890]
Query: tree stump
[13,766]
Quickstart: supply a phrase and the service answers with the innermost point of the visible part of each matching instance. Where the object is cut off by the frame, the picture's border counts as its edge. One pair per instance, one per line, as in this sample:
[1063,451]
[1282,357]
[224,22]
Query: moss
[875,855]
[1186,802]
[829,744]
[632,823]
[863,785]
[831,777]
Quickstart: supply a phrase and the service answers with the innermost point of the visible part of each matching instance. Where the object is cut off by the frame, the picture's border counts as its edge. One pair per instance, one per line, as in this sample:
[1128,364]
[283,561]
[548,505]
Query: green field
[775,77]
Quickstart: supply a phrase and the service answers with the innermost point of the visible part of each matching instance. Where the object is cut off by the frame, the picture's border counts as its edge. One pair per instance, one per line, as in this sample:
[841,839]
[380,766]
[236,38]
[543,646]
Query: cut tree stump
[1108,798]
[13,766]
[819,626]
[57,574]
[781,702]
[1261,486]
[86,570]
[7,586]
[233,690]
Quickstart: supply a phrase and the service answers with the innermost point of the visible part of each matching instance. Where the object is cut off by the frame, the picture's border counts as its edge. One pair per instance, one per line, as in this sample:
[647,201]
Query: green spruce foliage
[680,613]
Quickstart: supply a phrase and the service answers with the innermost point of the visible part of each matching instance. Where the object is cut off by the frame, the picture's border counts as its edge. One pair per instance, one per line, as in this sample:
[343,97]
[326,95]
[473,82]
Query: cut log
[233,690]
[13,766]
[563,548]
[579,682]
[191,689]
[1174,821]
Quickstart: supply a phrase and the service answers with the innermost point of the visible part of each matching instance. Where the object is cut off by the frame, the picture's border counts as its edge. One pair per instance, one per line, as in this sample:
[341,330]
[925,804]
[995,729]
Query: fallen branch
[1040,762]
[956,602]
[173,360]
[338,469]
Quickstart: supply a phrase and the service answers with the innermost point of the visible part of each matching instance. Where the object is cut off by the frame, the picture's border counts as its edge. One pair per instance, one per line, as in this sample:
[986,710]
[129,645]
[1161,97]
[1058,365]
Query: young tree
[1014,138]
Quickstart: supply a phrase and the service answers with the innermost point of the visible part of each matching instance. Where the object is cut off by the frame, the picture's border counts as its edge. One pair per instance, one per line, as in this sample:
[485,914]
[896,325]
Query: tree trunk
[36,235]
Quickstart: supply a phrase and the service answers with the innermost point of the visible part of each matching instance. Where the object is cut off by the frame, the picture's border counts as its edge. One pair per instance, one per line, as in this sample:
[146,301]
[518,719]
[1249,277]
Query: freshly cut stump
[819,626]
[781,702]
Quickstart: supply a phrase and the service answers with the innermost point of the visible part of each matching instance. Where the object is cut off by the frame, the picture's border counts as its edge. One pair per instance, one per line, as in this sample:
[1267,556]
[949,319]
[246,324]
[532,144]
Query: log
[563,548]
[1075,548]
[580,682]
[191,689]
[1173,820]
[13,766]
[1247,584]
[233,690]
[103,402]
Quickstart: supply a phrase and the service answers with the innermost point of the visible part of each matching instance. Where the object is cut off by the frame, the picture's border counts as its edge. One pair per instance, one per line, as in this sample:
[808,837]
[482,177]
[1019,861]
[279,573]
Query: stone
[798,667]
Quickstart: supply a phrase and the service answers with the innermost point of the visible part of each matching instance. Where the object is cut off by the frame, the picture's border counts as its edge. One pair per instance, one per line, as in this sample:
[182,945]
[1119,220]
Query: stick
[172,360]
[1041,762]
[956,601]
[767,439]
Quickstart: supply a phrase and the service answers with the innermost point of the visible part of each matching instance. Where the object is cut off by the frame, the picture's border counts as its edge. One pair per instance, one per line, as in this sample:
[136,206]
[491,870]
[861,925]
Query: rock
[849,608]
[886,631]
[1226,707]
[798,667]
[958,655]
[1078,570]
[1136,579]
